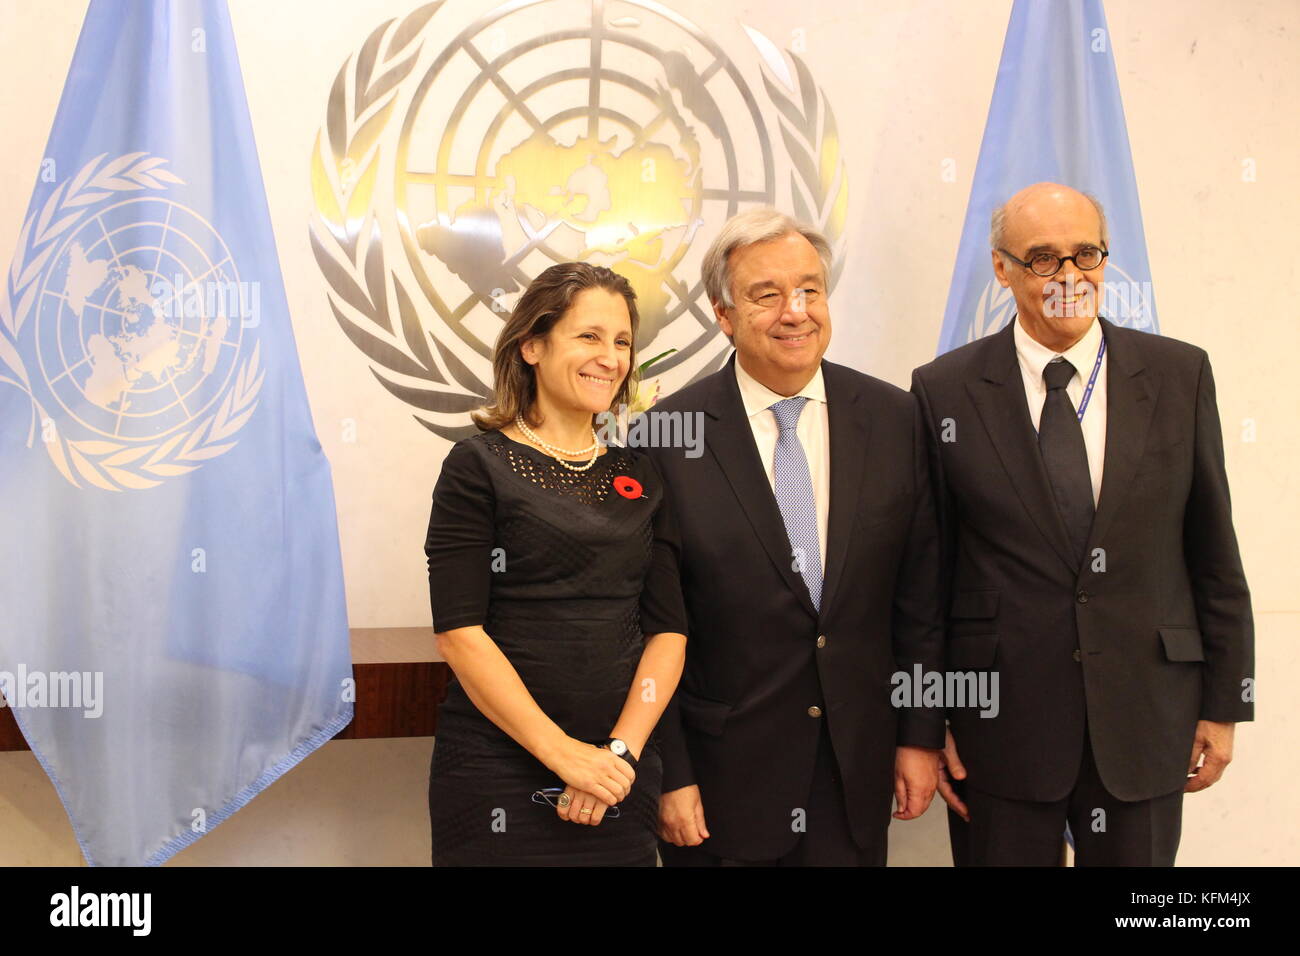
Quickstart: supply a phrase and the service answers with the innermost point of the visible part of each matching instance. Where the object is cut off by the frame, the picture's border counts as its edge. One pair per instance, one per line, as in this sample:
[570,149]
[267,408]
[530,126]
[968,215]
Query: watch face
[617,747]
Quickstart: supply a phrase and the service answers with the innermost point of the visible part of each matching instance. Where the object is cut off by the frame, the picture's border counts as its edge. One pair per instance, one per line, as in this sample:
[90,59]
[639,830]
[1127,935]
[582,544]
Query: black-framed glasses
[1046,264]
[551,797]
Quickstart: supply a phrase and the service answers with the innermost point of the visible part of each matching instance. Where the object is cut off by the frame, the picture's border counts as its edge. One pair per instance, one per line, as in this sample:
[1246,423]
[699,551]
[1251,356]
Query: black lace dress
[566,571]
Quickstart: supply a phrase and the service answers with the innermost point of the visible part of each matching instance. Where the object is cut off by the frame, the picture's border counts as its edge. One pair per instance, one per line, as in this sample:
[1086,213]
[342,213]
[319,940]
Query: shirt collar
[758,397]
[1034,356]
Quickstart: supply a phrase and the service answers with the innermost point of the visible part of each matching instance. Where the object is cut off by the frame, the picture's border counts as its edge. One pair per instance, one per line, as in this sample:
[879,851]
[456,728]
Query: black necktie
[1060,440]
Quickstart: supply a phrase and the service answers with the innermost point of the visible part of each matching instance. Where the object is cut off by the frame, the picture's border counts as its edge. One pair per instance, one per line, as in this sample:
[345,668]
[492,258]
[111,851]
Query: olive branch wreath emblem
[348,245]
[102,463]
[819,186]
[350,250]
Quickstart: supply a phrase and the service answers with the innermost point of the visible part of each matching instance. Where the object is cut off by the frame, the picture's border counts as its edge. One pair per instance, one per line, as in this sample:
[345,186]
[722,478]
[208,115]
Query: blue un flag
[1056,116]
[174,633]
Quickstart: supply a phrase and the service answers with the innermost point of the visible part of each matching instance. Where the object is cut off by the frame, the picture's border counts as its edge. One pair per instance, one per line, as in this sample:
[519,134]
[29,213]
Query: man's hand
[951,769]
[1214,742]
[681,817]
[916,775]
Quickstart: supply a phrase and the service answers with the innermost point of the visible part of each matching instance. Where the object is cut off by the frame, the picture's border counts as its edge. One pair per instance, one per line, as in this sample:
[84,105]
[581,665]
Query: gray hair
[998,224]
[745,229]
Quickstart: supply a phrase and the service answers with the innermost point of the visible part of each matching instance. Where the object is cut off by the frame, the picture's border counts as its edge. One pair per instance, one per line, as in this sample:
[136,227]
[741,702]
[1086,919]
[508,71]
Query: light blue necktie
[794,493]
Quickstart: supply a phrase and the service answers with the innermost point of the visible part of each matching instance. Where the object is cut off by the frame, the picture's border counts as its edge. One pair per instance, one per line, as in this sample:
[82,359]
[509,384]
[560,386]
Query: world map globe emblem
[139,320]
[506,164]
[454,164]
[995,308]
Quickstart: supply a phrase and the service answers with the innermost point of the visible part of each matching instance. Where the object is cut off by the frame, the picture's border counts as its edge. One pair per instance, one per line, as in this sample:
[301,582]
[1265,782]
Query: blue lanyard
[1087,392]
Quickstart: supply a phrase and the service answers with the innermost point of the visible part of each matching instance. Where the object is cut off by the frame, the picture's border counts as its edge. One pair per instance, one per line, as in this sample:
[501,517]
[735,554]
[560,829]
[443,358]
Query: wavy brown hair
[541,306]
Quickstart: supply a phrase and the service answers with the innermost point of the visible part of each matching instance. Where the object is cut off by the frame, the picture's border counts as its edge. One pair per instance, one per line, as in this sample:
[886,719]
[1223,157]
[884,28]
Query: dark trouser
[827,841]
[1106,831]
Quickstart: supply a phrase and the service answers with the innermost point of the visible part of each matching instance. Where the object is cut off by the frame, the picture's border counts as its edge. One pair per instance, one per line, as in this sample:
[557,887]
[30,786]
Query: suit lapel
[731,440]
[999,397]
[850,427]
[1130,402]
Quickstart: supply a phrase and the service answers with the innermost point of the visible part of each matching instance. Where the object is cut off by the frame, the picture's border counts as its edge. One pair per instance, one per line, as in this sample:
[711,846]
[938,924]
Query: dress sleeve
[663,609]
[462,530]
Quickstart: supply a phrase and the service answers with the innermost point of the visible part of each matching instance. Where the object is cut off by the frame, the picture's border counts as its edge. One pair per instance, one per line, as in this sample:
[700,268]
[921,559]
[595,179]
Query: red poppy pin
[627,487]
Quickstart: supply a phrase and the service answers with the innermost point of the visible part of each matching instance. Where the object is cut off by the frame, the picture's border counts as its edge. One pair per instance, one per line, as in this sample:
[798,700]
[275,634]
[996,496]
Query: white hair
[744,229]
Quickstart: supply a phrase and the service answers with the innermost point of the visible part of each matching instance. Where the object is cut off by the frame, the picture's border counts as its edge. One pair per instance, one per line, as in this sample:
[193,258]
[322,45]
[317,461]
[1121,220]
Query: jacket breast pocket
[879,506]
[705,715]
[1159,463]
[1182,644]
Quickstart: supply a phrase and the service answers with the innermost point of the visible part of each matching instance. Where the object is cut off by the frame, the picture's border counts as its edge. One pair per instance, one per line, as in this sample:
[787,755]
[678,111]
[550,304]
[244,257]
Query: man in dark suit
[1093,566]
[809,565]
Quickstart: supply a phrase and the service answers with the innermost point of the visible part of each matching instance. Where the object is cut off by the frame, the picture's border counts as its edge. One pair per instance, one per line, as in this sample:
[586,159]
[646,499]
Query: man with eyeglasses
[1091,562]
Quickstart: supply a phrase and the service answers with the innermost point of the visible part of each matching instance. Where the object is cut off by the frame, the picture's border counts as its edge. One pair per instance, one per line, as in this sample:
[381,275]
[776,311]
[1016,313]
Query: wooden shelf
[400,683]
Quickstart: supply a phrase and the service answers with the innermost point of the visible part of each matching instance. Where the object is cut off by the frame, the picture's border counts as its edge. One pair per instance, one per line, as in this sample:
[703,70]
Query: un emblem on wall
[448,173]
[134,353]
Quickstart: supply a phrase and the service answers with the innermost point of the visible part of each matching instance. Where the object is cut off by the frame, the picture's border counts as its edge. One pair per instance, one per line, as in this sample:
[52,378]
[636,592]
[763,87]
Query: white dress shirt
[1034,357]
[813,431]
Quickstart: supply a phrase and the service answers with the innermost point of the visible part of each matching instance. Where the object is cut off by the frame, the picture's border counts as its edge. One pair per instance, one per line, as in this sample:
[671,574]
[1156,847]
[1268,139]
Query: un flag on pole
[174,633]
[1056,116]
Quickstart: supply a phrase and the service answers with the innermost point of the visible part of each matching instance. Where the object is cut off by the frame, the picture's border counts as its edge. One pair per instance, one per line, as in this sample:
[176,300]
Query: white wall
[1205,85]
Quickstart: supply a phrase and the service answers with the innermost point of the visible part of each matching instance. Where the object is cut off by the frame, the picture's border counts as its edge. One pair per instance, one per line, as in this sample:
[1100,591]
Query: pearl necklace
[555,451]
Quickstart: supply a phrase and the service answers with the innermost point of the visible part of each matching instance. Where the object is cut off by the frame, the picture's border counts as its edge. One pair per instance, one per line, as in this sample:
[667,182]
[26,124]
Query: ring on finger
[565,799]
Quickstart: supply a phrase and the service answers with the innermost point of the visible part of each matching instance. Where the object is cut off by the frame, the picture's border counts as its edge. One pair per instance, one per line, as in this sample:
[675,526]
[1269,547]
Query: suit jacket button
[1083,597]
[821,640]
[814,711]
[1078,655]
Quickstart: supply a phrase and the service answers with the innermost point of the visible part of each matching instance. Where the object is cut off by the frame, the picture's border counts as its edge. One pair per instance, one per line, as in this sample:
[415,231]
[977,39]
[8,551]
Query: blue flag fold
[1056,116]
[173,633]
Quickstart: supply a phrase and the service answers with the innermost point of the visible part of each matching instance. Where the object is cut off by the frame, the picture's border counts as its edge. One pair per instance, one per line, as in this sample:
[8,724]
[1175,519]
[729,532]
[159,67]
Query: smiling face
[1055,310]
[583,360]
[780,323]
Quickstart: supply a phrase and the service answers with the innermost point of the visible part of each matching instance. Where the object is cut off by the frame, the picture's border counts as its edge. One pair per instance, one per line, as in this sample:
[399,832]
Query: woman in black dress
[552,577]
